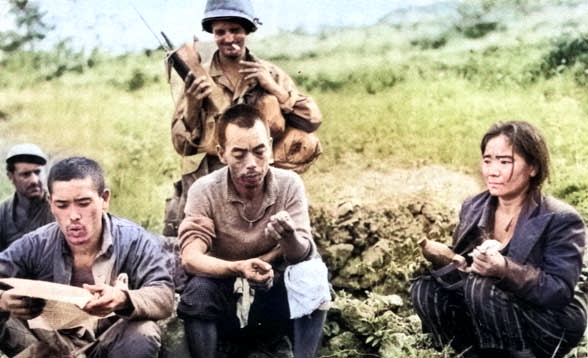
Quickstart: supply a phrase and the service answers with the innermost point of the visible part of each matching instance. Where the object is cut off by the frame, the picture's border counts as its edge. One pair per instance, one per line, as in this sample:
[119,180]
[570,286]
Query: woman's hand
[488,261]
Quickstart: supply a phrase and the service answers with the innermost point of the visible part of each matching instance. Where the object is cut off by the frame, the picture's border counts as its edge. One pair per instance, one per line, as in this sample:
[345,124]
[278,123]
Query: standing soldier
[235,75]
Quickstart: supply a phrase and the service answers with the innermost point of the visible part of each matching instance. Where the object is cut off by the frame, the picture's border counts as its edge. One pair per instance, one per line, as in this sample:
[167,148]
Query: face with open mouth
[78,209]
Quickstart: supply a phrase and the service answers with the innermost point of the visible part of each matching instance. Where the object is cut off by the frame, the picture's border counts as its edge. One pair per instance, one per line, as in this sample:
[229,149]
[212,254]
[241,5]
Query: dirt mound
[370,244]
[382,189]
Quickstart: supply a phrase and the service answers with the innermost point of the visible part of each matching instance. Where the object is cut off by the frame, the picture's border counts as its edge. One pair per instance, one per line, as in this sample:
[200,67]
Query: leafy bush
[137,81]
[478,29]
[575,195]
[567,54]
[45,65]
[427,43]
[20,47]
[30,26]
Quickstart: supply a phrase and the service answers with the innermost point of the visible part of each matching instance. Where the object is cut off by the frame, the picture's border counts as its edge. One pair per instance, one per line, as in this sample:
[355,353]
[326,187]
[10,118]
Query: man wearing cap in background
[235,75]
[28,208]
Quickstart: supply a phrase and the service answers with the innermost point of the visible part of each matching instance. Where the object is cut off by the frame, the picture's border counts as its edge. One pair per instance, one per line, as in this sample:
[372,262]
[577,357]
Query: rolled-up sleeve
[151,302]
[196,228]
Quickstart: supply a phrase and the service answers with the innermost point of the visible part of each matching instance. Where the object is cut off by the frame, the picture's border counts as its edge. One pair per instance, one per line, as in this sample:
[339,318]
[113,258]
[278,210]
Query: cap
[240,11]
[26,152]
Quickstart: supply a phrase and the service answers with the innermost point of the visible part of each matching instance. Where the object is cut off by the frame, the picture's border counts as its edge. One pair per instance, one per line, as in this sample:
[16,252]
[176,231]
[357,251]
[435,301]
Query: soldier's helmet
[240,11]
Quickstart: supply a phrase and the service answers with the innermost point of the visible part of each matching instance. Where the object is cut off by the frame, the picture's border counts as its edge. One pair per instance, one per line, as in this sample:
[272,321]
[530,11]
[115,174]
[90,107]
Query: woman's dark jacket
[545,255]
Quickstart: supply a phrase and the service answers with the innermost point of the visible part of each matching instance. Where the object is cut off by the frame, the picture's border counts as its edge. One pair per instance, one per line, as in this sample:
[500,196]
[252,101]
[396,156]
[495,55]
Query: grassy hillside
[419,88]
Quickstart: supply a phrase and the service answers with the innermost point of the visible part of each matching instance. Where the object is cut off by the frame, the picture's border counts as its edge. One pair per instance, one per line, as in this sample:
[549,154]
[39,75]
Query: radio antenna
[149,27]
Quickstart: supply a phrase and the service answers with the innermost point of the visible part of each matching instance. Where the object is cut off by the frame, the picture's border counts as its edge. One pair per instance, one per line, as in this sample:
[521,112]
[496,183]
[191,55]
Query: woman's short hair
[526,141]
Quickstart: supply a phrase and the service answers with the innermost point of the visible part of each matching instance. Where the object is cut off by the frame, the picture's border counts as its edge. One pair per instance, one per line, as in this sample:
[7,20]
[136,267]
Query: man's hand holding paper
[106,300]
[22,307]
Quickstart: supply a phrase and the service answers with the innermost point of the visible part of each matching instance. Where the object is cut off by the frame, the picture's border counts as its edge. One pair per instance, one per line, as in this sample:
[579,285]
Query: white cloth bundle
[307,287]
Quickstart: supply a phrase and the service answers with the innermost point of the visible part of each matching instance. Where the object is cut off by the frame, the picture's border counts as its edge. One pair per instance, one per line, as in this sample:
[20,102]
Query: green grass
[96,115]
[394,106]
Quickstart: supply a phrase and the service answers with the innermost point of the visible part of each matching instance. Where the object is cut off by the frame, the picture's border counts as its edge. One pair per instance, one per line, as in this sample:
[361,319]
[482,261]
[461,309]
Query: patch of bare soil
[381,189]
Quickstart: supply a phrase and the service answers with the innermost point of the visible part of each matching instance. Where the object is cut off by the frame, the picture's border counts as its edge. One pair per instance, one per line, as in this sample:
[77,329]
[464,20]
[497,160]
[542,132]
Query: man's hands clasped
[199,88]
